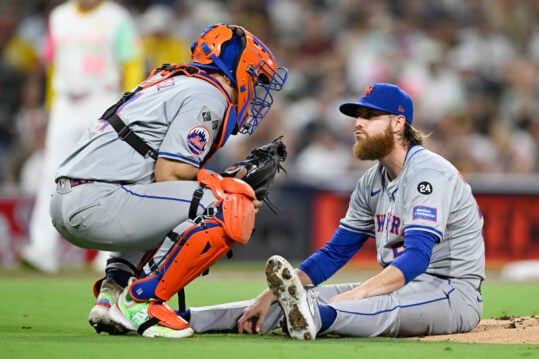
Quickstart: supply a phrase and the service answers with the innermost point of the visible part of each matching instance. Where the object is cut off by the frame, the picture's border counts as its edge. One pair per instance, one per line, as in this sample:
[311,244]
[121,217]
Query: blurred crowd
[471,66]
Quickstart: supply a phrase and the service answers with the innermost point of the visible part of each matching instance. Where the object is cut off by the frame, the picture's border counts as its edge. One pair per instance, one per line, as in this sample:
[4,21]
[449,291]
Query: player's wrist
[267,295]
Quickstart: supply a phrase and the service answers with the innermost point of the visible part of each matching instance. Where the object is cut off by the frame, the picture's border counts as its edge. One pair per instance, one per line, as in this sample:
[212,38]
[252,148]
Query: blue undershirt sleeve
[417,252]
[323,263]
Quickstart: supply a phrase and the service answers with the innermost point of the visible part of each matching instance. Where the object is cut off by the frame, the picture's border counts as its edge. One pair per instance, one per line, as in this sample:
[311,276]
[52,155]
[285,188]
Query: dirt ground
[504,330]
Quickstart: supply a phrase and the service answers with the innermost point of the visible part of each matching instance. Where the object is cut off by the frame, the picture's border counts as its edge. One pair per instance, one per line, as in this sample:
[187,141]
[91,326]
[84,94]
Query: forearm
[387,281]
[170,170]
[305,280]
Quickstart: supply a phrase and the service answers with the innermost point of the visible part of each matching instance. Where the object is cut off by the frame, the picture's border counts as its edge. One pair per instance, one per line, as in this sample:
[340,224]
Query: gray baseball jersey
[428,195]
[181,117]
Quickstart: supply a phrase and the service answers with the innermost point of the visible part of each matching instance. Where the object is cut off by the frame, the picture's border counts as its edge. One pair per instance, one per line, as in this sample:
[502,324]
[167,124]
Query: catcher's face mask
[249,65]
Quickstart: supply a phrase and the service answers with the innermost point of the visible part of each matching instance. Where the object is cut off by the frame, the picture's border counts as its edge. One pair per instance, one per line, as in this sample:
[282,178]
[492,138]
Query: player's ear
[398,122]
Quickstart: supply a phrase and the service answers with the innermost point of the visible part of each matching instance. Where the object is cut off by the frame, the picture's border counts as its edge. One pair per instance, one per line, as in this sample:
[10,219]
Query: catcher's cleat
[99,316]
[150,319]
[298,304]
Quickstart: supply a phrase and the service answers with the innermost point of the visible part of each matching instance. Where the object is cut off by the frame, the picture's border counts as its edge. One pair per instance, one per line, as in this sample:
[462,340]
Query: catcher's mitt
[262,165]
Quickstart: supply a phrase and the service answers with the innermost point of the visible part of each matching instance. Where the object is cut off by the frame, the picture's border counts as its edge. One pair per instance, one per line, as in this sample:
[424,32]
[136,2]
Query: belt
[73,182]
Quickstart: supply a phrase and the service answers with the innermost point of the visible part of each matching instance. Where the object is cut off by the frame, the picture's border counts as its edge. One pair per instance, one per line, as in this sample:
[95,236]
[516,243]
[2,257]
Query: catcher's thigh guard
[196,250]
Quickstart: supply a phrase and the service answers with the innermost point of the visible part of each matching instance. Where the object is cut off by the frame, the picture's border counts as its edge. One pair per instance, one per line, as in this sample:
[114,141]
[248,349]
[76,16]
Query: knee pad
[235,201]
[197,249]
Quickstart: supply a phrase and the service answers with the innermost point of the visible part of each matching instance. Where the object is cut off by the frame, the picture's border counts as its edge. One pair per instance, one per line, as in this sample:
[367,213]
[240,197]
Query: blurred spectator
[473,64]
[92,46]
[18,60]
[161,44]
[324,161]
[26,162]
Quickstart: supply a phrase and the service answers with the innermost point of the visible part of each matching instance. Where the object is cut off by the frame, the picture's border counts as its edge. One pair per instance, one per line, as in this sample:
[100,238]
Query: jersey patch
[198,140]
[205,115]
[424,188]
[426,213]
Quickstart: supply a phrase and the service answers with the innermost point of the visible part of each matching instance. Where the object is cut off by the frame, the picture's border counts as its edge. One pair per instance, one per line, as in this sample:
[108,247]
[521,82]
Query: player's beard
[374,147]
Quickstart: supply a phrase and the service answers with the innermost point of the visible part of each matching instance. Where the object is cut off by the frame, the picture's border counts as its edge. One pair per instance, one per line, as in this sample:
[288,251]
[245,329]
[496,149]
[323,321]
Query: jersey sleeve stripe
[180,158]
[356,230]
[436,232]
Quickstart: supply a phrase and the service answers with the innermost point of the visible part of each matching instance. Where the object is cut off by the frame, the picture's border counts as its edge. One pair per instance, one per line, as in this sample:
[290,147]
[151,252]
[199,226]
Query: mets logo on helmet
[198,139]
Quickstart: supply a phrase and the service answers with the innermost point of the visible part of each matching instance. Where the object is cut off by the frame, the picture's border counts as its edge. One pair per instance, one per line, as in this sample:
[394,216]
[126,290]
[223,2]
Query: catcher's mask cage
[249,65]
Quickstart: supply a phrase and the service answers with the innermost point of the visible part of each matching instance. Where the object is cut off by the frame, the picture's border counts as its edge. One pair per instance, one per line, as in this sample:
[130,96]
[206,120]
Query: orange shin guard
[196,251]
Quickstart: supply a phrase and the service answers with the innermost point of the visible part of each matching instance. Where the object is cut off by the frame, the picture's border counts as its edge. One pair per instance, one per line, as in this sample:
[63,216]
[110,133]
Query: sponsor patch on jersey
[426,213]
[424,188]
[198,140]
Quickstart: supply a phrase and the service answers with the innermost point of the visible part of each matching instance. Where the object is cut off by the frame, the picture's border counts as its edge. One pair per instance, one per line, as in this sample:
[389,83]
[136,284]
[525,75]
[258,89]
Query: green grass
[45,317]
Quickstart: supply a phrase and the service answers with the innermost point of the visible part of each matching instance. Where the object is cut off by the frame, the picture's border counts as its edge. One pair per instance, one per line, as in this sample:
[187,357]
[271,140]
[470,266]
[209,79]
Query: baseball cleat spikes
[298,305]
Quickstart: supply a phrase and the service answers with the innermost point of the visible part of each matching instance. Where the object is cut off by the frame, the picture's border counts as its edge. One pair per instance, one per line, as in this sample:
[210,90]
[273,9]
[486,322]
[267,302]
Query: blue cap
[384,97]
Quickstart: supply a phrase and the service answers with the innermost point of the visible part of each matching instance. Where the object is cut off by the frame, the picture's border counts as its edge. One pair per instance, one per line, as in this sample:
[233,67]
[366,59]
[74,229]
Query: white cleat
[298,304]
[99,317]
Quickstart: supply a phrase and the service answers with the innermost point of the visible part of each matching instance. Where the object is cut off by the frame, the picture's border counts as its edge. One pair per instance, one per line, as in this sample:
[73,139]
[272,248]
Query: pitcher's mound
[503,330]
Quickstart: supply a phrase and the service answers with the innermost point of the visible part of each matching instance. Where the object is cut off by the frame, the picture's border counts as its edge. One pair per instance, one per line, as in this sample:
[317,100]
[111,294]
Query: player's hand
[258,205]
[254,315]
[242,171]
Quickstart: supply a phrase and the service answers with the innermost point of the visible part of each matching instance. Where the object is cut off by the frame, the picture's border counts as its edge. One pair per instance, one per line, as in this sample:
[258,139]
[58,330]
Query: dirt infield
[504,330]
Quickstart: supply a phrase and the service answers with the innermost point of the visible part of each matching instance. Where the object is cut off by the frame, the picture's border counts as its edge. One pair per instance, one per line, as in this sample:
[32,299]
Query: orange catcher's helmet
[249,65]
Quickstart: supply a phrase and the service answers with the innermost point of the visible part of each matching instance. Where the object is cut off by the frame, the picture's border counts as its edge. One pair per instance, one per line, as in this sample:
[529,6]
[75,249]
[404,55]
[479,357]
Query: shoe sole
[101,321]
[117,316]
[286,287]
[184,333]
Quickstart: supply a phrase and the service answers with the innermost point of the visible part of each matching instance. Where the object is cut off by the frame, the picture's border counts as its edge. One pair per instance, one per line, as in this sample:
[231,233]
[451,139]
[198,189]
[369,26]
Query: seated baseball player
[136,184]
[427,227]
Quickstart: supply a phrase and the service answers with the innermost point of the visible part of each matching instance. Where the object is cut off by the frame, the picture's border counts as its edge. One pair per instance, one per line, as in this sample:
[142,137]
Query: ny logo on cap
[368,91]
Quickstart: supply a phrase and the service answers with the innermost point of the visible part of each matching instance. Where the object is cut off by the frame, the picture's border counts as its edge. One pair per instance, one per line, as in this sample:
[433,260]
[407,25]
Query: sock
[119,276]
[185,315]
[327,315]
